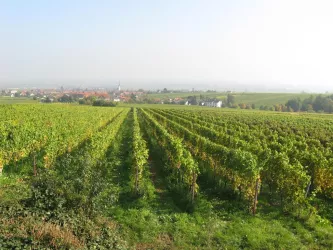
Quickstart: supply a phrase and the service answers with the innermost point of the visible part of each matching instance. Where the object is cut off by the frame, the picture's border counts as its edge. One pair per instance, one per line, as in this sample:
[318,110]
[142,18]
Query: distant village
[111,97]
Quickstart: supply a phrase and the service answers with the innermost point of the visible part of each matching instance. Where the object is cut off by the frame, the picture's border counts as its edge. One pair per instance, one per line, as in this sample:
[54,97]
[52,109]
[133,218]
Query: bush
[103,103]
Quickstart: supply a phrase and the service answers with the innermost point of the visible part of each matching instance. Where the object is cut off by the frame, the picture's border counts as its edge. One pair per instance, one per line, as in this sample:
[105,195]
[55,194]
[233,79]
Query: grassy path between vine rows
[136,214]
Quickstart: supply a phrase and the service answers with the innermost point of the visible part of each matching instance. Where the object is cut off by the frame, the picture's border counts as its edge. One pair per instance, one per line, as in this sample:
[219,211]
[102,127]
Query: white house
[216,104]
[12,93]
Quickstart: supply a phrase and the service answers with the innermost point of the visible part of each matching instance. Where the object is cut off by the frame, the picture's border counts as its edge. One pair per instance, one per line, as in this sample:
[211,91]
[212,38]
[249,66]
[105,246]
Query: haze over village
[113,94]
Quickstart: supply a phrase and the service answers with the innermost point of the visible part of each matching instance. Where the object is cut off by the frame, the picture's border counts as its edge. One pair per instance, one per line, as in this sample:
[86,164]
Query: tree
[230,99]
[192,100]
[48,100]
[306,102]
[242,105]
[66,98]
[294,104]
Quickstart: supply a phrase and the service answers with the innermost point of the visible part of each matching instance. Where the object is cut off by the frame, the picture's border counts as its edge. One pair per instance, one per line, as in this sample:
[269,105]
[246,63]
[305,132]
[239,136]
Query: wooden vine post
[256,192]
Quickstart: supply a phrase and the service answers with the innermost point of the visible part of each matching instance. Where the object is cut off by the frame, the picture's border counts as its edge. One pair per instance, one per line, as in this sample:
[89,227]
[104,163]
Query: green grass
[151,227]
[268,99]
[152,224]
[182,94]
[16,100]
[258,99]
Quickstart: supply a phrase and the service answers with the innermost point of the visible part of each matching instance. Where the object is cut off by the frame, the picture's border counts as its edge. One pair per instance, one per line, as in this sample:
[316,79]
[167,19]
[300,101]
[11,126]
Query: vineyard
[164,178]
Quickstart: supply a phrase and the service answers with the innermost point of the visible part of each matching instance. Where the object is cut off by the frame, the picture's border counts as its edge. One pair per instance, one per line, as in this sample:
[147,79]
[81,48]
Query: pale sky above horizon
[254,41]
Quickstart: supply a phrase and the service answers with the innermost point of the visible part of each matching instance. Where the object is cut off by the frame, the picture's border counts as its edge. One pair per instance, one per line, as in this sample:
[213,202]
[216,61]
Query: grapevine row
[241,168]
[305,152]
[179,161]
[50,131]
[238,167]
[140,154]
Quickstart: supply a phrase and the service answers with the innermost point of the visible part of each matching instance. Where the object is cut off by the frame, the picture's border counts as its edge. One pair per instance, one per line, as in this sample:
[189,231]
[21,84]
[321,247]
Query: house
[177,100]
[80,95]
[216,104]
[12,93]
[124,98]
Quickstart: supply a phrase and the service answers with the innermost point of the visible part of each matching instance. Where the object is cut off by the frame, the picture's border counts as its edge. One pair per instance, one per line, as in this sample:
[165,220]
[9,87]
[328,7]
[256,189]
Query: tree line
[319,103]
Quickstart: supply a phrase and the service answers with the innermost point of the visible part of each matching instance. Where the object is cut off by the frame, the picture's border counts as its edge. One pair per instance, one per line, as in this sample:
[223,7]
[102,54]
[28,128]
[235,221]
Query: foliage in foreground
[38,217]
[86,199]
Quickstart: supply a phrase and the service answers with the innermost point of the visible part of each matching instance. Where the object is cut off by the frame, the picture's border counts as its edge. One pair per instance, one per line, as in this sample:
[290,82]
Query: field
[268,99]
[258,99]
[182,94]
[164,177]
[16,100]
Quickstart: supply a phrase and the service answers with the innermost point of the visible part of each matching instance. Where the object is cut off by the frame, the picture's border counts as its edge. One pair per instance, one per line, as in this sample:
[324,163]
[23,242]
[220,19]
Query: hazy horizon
[247,45]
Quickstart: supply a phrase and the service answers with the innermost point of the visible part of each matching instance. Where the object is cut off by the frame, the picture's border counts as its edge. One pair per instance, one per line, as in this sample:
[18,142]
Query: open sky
[272,42]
